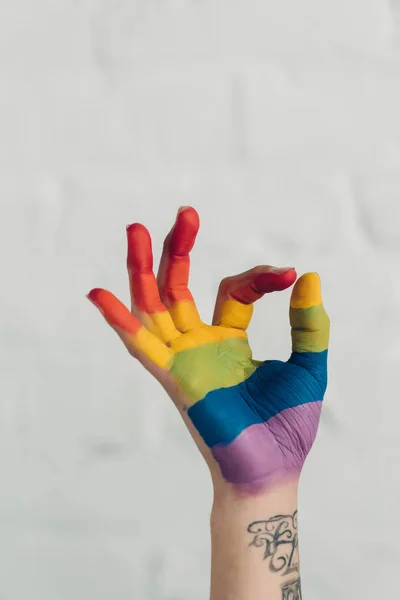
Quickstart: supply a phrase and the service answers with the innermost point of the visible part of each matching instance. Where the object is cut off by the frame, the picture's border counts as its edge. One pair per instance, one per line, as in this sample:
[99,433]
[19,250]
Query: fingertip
[114,311]
[184,231]
[137,229]
[99,298]
[181,209]
[140,254]
[307,291]
[189,215]
[275,279]
[286,279]
[187,209]
[93,295]
[289,276]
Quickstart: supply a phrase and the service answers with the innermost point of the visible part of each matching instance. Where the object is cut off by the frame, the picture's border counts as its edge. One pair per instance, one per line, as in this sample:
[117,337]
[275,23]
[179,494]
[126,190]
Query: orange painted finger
[236,295]
[139,341]
[145,297]
[173,273]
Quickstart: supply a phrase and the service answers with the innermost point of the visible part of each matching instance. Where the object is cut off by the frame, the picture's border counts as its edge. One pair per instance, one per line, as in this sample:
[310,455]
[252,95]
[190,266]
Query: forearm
[255,546]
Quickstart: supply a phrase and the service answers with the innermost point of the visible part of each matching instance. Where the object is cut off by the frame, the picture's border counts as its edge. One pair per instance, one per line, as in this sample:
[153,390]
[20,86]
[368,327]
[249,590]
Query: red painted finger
[236,295]
[145,297]
[173,273]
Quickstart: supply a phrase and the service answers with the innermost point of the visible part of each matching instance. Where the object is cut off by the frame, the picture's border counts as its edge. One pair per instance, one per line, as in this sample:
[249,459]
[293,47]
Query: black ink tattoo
[292,590]
[279,536]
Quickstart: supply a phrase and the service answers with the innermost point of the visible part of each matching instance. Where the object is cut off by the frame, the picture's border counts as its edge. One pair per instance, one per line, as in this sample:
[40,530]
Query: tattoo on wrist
[278,536]
[292,590]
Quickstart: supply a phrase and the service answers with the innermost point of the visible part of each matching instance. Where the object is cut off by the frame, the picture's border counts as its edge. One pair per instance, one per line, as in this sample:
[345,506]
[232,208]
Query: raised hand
[254,421]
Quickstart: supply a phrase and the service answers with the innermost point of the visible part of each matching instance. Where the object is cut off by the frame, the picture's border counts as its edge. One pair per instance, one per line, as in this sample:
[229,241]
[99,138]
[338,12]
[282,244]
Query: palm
[220,359]
[239,394]
[259,419]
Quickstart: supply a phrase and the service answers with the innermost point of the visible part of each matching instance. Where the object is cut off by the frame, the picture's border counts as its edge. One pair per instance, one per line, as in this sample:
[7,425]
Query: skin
[253,421]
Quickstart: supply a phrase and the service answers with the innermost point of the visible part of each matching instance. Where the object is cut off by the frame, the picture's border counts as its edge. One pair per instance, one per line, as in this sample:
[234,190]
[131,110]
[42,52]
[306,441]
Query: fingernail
[181,209]
[92,295]
[281,270]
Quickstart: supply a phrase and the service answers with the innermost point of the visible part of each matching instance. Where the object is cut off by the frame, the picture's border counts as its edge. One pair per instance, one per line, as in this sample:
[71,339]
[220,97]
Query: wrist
[231,498]
[254,543]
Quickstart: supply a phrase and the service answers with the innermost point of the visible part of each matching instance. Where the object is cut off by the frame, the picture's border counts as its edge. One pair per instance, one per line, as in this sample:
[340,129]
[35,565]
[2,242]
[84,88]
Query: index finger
[236,295]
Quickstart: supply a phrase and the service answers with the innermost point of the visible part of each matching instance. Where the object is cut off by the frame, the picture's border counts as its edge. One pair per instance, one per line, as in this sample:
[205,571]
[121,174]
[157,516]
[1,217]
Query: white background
[279,121]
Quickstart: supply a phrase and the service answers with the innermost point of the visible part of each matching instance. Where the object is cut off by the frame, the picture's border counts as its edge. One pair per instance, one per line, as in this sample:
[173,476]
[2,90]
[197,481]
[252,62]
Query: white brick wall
[280,123]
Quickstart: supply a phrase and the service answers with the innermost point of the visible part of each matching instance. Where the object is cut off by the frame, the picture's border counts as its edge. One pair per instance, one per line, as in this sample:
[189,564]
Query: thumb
[310,324]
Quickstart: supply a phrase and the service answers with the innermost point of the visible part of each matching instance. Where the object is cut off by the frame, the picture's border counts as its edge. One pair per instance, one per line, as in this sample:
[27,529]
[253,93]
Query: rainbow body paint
[259,419]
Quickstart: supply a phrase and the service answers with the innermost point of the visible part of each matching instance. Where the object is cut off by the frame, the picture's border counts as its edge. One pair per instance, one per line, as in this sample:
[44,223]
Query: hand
[254,421]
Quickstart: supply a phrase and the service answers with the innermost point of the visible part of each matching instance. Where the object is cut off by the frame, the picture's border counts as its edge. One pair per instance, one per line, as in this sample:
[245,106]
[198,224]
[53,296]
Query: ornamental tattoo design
[278,536]
[292,591]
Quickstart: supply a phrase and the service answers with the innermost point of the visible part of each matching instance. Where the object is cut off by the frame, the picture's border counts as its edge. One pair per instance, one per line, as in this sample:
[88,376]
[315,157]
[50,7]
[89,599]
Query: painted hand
[254,421]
